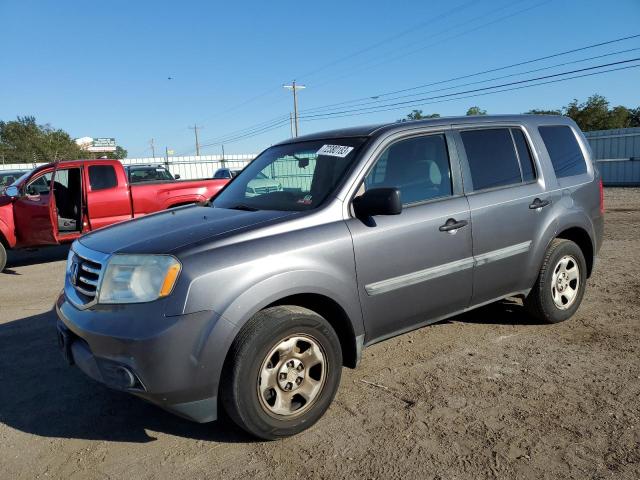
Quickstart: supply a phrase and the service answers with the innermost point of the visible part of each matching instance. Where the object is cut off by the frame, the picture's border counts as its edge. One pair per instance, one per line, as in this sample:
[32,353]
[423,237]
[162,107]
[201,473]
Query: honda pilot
[253,303]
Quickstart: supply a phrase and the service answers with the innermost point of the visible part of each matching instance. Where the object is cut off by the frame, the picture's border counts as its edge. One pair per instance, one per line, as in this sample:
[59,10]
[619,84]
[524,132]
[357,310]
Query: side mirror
[378,201]
[177,177]
[12,191]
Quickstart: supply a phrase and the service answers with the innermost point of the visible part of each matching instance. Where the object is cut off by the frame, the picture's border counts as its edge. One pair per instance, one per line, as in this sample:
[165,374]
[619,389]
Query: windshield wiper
[244,207]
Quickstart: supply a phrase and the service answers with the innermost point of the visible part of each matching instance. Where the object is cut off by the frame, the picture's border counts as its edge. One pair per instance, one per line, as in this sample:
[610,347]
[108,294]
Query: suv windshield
[292,177]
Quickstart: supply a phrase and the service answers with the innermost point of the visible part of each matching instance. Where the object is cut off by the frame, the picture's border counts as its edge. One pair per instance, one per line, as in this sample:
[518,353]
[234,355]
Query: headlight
[70,259]
[138,278]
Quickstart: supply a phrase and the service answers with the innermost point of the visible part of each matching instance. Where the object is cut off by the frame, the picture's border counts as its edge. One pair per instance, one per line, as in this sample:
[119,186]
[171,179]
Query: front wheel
[561,282]
[282,372]
[3,257]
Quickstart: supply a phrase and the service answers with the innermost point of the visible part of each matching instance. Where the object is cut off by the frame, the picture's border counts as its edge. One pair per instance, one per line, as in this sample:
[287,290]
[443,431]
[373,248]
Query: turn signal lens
[170,279]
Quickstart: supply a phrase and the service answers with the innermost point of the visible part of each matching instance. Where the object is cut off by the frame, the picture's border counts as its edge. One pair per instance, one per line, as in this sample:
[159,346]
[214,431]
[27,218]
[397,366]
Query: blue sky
[102,69]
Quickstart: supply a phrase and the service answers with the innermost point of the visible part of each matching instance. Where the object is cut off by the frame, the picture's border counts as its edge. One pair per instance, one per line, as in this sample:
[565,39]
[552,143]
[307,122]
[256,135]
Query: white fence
[189,168]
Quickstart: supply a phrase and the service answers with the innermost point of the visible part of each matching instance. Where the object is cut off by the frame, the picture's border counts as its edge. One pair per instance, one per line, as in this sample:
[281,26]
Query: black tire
[3,257]
[239,388]
[540,302]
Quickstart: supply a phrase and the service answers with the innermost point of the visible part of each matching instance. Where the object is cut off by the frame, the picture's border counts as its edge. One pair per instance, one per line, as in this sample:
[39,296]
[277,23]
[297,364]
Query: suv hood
[167,231]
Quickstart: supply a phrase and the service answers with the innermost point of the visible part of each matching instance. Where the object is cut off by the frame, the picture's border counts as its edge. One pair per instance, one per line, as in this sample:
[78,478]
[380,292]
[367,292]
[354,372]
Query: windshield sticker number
[334,150]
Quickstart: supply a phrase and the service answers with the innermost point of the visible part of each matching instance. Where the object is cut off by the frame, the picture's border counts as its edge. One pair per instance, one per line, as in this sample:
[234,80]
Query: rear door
[409,271]
[108,196]
[510,207]
[34,212]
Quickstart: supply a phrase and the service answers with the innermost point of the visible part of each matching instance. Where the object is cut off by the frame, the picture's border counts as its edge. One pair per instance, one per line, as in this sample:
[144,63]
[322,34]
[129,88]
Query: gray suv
[254,303]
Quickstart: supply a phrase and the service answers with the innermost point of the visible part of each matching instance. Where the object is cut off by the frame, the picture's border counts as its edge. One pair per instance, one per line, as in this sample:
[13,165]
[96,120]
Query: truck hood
[167,231]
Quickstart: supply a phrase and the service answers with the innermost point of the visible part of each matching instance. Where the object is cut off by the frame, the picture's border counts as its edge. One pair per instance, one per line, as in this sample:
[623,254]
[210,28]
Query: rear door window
[102,177]
[564,150]
[492,158]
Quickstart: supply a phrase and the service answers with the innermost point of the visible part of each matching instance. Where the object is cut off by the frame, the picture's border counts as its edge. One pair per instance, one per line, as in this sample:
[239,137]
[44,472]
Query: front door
[411,268]
[34,214]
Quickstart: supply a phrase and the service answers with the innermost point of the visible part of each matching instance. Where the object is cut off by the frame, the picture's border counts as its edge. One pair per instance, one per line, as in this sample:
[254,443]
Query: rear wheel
[3,257]
[561,282]
[282,372]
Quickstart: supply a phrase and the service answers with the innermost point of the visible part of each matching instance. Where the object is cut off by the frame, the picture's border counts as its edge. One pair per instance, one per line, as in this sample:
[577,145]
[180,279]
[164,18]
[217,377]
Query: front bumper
[174,362]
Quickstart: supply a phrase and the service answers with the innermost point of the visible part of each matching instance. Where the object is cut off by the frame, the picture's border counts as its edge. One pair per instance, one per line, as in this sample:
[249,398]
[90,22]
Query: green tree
[476,111]
[24,141]
[118,154]
[418,115]
[536,111]
[634,117]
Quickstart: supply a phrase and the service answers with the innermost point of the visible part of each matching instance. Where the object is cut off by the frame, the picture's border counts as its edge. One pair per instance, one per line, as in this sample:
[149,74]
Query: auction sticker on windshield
[334,150]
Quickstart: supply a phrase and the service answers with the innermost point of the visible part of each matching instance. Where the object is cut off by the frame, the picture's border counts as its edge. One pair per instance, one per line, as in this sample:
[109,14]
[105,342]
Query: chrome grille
[84,273]
[87,276]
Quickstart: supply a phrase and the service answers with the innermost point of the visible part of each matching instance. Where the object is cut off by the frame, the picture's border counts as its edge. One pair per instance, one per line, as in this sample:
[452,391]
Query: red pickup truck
[58,202]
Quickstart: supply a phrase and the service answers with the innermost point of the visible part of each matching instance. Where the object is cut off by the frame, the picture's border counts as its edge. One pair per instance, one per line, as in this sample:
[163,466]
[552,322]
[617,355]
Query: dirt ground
[485,395]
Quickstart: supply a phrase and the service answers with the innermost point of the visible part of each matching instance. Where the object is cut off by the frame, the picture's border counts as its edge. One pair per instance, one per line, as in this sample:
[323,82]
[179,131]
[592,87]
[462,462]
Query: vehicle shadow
[22,258]
[504,312]
[40,394]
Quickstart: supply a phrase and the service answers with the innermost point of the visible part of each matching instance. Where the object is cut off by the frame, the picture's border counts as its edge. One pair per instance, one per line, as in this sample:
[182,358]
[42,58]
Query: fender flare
[183,200]
[269,291]
[569,219]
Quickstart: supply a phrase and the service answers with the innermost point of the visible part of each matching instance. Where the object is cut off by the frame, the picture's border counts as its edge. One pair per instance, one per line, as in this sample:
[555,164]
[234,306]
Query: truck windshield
[292,177]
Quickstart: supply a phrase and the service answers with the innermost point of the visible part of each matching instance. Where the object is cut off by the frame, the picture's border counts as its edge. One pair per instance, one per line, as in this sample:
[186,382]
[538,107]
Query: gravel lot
[486,395]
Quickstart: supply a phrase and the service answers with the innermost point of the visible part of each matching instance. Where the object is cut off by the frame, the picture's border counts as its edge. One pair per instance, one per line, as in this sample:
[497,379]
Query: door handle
[452,224]
[537,203]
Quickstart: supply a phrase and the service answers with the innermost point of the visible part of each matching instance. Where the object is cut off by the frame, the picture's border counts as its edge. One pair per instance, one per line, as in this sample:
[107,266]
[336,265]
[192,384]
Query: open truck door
[34,211]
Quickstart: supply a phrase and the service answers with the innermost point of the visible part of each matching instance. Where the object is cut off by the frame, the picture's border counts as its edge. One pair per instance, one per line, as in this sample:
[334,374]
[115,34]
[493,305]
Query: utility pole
[153,148]
[222,155]
[294,88]
[195,129]
[291,123]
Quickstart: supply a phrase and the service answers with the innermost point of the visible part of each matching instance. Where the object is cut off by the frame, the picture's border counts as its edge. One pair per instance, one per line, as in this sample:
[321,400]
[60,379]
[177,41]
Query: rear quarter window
[564,150]
[102,177]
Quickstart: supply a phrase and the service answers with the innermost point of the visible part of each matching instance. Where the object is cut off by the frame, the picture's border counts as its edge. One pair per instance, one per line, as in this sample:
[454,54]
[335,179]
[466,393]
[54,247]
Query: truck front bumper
[173,362]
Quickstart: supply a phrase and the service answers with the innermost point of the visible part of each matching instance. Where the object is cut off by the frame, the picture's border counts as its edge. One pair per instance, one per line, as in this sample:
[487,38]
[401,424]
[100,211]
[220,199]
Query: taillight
[601,197]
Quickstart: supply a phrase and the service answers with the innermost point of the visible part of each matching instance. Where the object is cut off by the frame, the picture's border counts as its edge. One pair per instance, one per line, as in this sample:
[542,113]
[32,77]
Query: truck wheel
[3,257]
[282,372]
[561,283]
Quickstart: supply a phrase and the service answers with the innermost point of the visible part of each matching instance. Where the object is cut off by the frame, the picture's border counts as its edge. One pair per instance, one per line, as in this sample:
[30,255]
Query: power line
[386,40]
[248,134]
[258,126]
[364,66]
[473,95]
[389,39]
[491,70]
[408,102]
[373,102]
[521,87]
